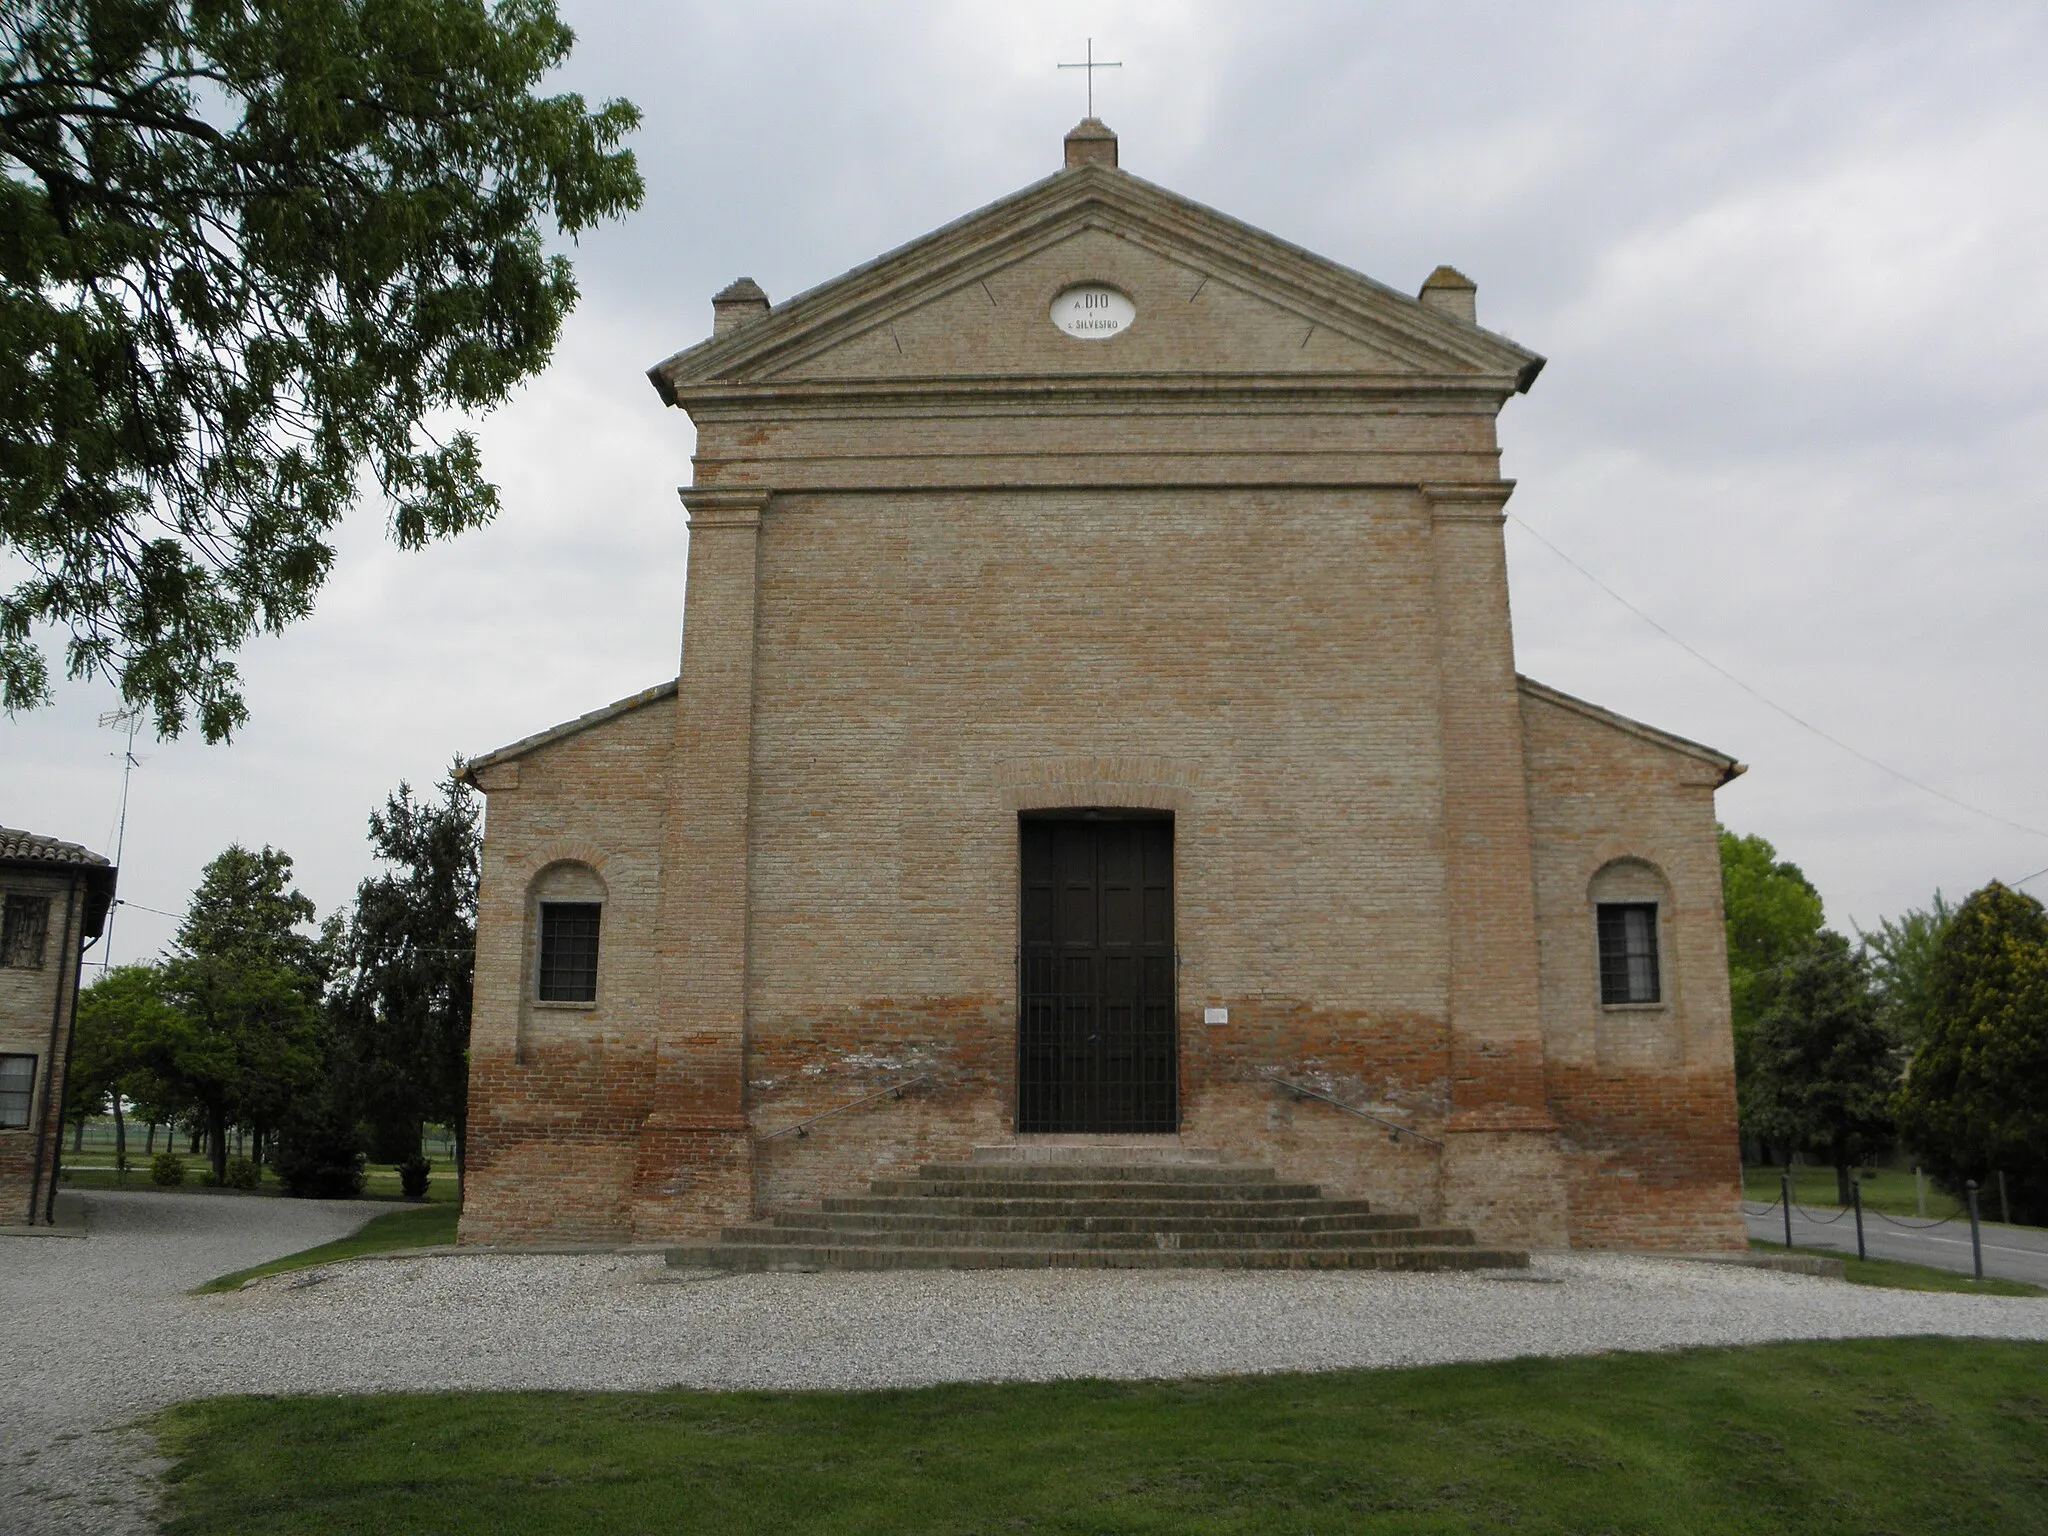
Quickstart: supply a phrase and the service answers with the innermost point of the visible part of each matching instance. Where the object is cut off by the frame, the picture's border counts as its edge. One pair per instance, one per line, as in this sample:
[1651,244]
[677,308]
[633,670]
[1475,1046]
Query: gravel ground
[115,1336]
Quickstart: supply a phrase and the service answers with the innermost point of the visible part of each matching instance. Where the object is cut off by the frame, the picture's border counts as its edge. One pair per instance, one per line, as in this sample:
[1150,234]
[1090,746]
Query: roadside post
[2004,1205]
[1976,1242]
[1785,1197]
[1856,1198]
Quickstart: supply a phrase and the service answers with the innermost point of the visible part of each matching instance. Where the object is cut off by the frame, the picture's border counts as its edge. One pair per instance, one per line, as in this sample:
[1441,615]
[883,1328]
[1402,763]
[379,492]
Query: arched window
[566,929]
[1629,897]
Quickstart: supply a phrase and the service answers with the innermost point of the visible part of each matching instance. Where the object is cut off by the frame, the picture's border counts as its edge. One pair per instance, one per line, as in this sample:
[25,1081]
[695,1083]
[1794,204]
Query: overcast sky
[1789,263]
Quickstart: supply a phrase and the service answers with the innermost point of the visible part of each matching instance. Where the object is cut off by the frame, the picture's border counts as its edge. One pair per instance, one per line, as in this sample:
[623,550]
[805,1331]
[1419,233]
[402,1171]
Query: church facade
[1098,723]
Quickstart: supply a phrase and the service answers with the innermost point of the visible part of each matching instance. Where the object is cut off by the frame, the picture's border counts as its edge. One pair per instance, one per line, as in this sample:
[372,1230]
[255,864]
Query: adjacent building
[54,898]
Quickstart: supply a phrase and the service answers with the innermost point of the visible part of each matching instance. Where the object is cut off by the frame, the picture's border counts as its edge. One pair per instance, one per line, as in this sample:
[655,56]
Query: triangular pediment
[1215,297]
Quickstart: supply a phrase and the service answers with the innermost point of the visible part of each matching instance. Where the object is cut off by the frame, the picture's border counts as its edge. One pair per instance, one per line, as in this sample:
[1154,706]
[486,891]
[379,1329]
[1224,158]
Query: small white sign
[1093,312]
[1215,1015]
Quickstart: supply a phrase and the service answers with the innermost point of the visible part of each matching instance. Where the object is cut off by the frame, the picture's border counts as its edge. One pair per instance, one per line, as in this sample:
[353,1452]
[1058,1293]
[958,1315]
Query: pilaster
[1502,1172]
[694,1170]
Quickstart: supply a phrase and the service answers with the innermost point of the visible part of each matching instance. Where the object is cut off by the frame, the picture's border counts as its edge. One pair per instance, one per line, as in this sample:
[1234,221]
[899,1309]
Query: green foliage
[241,1173]
[167,1169]
[250,250]
[118,1015]
[1905,953]
[320,1153]
[247,1043]
[1824,1439]
[1824,1066]
[1975,1099]
[1772,912]
[407,961]
[413,1175]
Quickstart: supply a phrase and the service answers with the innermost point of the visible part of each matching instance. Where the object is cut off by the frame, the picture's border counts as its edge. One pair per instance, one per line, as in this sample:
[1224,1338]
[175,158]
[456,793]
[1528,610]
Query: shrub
[242,1174]
[412,1176]
[167,1168]
[320,1157]
[208,1179]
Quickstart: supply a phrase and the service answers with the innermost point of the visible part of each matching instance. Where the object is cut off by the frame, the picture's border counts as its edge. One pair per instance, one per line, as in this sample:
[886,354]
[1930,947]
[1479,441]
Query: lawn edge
[320,1253]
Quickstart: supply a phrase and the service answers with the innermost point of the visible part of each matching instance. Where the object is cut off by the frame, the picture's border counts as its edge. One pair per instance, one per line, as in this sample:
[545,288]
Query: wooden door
[1097,1047]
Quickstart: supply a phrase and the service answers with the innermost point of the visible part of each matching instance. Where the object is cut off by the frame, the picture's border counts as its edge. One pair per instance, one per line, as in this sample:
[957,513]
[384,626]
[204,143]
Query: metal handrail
[1303,1091]
[802,1128]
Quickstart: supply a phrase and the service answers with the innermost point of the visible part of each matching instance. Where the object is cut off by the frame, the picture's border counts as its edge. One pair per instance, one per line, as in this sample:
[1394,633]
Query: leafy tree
[246,984]
[1905,954]
[249,251]
[409,958]
[121,1017]
[1772,913]
[1975,1099]
[1824,1065]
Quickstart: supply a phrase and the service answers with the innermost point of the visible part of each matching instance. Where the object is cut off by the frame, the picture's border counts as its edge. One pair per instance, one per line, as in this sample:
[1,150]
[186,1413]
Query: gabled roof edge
[547,738]
[1730,768]
[720,351]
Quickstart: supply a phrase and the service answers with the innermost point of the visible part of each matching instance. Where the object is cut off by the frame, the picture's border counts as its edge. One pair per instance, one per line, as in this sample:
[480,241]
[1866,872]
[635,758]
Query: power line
[123,901]
[1770,703]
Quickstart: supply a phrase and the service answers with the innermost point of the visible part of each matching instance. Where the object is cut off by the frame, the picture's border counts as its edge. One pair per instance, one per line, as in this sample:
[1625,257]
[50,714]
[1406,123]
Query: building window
[1628,952]
[568,951]
[17,1087]
[22,932]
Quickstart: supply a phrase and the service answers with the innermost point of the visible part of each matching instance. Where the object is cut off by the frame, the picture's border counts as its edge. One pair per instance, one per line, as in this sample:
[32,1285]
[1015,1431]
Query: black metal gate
[1097,1046]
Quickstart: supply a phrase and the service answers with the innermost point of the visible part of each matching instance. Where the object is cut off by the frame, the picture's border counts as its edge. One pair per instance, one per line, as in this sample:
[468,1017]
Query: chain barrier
[1922,1226]
[1764,1212]
[1820,1221]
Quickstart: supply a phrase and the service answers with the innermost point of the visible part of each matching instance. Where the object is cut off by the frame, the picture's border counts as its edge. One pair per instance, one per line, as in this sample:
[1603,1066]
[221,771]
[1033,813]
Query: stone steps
[956,1237]
[791,1258]
[1017,1205]
[1079,1208]
[863,1219]
[1070,1188]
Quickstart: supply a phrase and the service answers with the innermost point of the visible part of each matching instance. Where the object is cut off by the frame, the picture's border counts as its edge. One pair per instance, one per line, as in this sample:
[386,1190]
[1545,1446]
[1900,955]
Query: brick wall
[27,1000]
[1645,1095]
[1241,564]
[558,1094]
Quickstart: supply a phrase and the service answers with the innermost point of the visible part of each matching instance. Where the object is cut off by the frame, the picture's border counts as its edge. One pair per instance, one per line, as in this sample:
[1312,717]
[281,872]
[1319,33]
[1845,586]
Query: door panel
[1097,1047]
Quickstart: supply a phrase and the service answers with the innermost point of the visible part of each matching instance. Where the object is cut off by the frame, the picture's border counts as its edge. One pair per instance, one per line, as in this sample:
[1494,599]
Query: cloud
[1789,263]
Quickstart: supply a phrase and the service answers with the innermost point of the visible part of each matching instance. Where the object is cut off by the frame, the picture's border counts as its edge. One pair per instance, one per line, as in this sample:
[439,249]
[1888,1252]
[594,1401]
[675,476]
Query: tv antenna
[1092,65]
[127,718]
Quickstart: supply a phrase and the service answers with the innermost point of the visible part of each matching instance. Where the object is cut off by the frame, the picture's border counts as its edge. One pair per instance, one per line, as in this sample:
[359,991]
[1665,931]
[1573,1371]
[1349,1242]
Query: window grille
[568,951]
[1628,952]
[23,930]
[17,1089]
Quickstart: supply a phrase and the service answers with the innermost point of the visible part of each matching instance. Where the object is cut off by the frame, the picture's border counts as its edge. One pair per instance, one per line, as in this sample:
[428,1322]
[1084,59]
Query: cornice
[1187,392]
[723,506]
[1482,503]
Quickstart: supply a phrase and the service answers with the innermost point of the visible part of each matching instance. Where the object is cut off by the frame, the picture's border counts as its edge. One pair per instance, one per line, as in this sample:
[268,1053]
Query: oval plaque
[1093,311]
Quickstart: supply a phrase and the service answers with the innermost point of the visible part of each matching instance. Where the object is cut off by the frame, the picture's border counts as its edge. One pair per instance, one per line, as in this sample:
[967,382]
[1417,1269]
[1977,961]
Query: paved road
[2010,1253]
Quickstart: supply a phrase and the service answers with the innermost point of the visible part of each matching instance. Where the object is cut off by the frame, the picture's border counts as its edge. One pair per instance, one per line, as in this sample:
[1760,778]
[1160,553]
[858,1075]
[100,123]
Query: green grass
[378,1183]
[1896,1275]
[1886,1189]
[419,1226]
[1829,1439]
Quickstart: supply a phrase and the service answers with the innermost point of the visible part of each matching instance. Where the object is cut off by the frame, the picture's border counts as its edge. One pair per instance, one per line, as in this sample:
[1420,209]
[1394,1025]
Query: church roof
[1729,768]
[568,728]
[1420,339]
